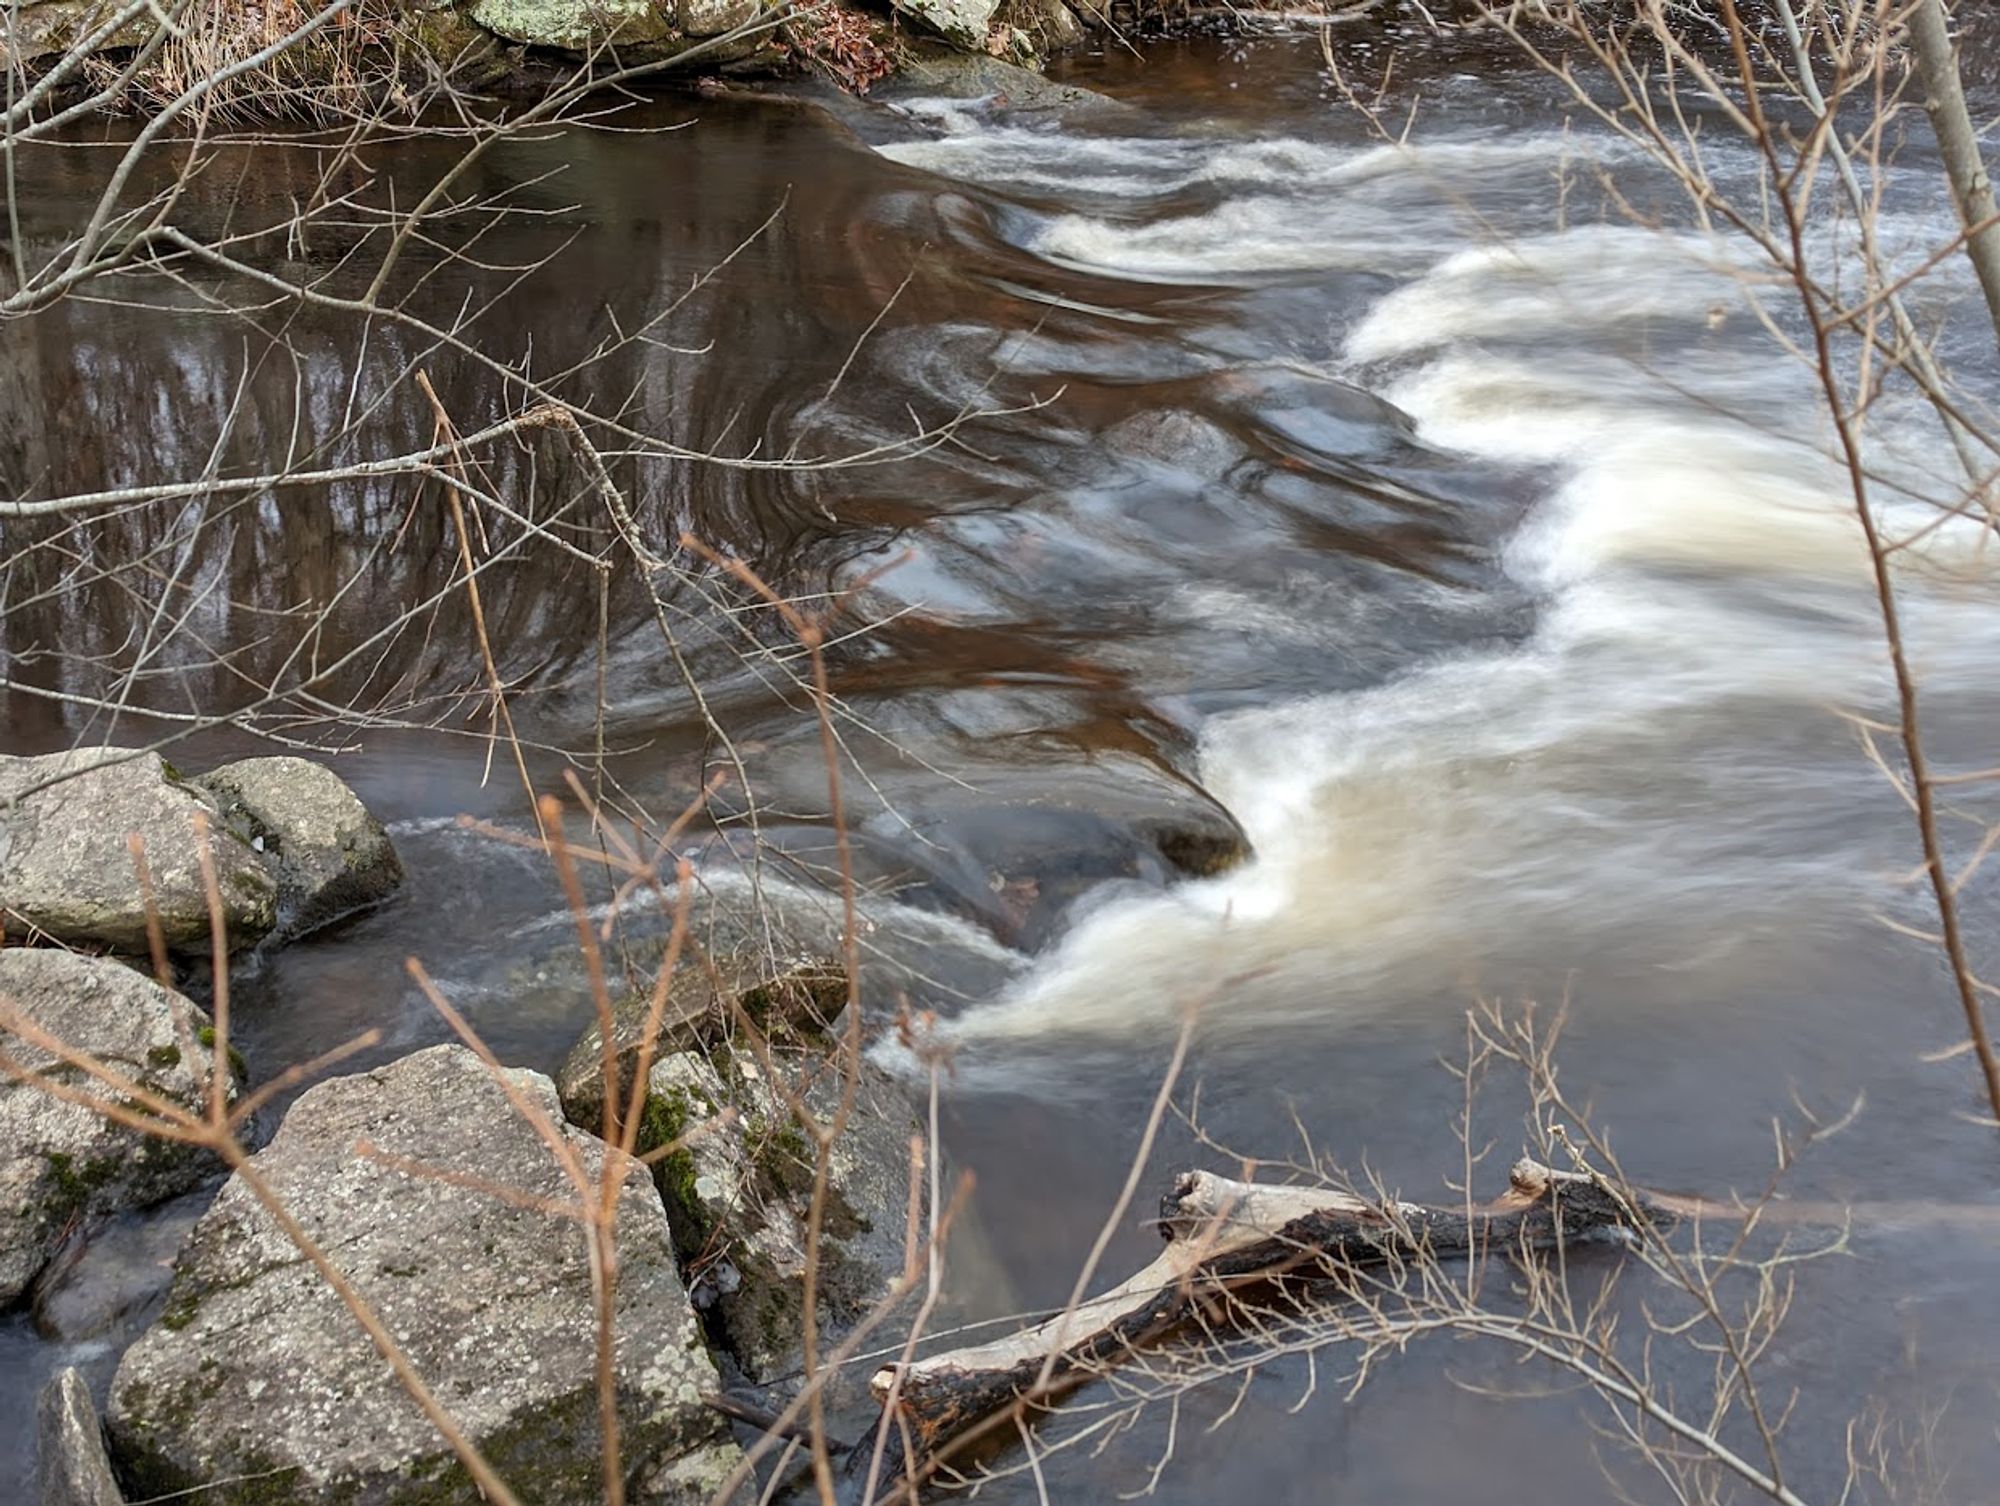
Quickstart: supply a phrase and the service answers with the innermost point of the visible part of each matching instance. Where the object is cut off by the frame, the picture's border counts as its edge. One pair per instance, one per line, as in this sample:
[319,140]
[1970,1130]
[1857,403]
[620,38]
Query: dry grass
[321,63]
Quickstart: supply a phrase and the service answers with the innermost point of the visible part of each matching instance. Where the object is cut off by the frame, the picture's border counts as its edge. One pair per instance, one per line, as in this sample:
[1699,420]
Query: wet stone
[63,1166]
[739,1195]
[1019,859]
[330,857]
[71,1466]
[102,1287]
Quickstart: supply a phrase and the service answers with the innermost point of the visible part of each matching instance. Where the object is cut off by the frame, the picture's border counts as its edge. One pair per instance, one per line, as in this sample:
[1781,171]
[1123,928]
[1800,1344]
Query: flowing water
[1475,547]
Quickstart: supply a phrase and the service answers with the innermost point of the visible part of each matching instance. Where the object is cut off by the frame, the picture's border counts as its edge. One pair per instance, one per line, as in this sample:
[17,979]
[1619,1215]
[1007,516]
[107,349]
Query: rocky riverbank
[444,1192]
[409,51]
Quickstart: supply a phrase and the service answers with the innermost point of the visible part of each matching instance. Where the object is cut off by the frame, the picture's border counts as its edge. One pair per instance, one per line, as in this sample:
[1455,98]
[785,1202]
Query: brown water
[1470,546]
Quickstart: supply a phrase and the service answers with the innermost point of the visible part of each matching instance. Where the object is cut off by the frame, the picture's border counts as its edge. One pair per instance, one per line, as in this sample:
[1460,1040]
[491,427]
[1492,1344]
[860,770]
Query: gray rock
[62,1165]
[573,25]
[1177,440]
[1049,25]
[329,855]
[965,22]
[42,30]
[66,868]
[739,1196]
[714,18]
[70,1463]
[784,998]
[931,71]
[694,1477]
[257,1383]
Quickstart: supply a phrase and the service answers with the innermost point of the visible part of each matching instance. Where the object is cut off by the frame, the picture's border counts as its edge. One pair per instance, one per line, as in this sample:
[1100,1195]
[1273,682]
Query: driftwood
[1223,1235]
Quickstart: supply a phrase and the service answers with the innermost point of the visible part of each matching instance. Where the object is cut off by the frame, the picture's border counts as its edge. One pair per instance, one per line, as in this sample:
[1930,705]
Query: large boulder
[257,1383]
[66,867]
[42,30]
[739,1194]
[330,857]
[574,25]
[964,22]
[62,1165]
[71,1467]
[714,18]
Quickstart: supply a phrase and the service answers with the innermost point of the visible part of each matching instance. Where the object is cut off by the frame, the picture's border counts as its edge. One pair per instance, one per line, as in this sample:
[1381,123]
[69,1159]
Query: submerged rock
[71,1466]
[62,1165]
[66,868]
[739,1196]
[103,1287]
[1048,834]
[257,1383]
[1175,439]
[330,857]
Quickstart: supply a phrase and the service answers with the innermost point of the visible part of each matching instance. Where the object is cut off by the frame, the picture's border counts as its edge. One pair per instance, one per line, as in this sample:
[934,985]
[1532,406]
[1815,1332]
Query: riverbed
[1450,519]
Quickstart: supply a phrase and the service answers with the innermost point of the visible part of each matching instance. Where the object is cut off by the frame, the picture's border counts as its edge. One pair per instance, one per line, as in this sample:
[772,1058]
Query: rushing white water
[1658,755]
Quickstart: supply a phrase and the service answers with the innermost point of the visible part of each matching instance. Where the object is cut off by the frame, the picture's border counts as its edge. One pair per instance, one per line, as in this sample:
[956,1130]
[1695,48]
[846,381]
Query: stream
[1470,543]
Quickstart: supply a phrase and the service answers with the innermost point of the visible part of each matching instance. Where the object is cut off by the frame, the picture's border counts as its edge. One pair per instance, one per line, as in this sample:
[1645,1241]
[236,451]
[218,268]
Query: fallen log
[1223,1235]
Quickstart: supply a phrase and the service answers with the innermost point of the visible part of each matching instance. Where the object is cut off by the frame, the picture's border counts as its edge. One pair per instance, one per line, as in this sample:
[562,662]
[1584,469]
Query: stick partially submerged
[1224,1235]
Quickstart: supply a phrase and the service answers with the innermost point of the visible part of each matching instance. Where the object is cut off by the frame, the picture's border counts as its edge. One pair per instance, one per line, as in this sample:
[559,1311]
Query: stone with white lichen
[573,25]
[66,864]
[329,856]
[258,1379]
[63,1165]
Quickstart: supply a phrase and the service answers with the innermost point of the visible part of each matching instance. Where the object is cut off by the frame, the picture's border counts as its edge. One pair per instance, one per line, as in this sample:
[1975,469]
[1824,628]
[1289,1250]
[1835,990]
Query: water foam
[1705,592]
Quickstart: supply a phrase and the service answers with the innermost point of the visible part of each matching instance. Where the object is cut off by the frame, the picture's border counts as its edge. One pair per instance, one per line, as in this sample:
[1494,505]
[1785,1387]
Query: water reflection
[1264,408]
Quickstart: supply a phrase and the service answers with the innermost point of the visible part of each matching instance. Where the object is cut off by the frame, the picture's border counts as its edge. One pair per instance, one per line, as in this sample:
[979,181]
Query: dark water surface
[1472,546]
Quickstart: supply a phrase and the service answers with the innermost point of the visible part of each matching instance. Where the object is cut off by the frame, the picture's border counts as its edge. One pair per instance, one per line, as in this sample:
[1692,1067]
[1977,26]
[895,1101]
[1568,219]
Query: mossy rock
[738,1194]
[62,1164]
[785,1001]
[256,1386]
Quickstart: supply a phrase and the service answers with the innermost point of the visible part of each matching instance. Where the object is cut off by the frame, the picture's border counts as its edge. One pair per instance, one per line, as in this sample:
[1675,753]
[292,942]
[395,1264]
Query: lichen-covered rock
[257,1384]
[66,868]
[965,22]
[739,1195]
[783,998]
[42,30]
[330,857]
[573,25]
[930,70]
[714,18]
[62,1164]
[1049,25]
[71,1467]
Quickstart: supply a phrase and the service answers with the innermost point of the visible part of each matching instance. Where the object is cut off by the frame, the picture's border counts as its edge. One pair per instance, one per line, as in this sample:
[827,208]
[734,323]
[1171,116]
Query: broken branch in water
[1224,1235]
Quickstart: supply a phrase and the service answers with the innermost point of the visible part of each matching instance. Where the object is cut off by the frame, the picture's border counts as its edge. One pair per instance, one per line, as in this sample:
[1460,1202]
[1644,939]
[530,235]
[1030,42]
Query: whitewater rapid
[1665,749]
